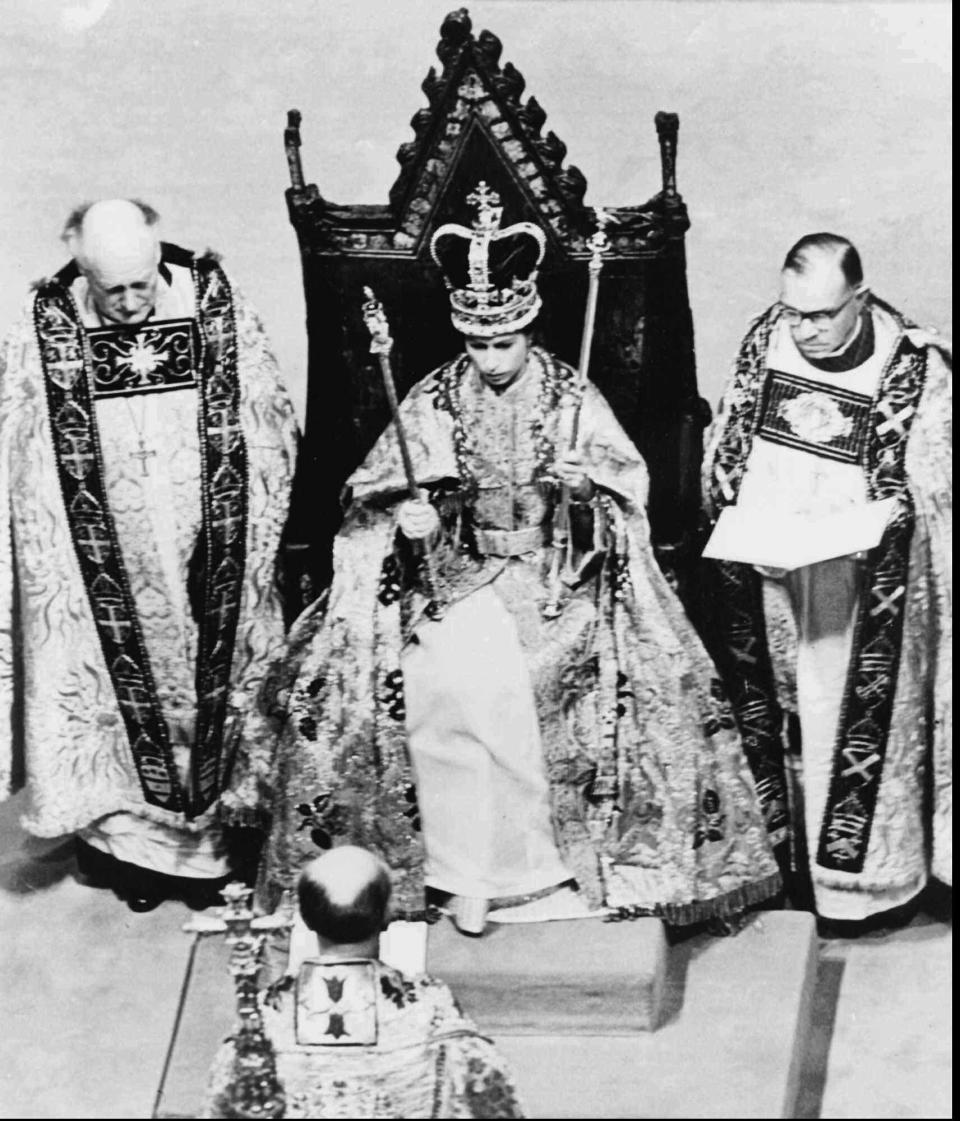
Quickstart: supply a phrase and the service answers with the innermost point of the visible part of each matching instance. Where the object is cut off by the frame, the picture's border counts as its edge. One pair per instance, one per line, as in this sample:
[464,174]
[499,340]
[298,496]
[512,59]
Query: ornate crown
[491,273]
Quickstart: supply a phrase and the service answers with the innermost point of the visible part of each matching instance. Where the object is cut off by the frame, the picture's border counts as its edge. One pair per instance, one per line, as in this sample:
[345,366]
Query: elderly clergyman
[354,1037]
[838,412]
[146,450]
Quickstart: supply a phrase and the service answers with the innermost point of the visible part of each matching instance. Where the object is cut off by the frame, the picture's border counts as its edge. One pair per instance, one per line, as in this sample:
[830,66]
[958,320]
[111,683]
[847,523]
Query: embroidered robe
[627,752]
[133,636]
[855,656]
[360,1039]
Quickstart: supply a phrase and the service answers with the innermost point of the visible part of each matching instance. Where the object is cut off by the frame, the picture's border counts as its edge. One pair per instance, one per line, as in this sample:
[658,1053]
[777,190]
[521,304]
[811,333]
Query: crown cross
[488,206]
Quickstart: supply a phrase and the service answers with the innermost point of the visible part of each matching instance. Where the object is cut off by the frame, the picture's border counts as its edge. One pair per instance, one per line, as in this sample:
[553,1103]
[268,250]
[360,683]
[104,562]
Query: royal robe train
[648,799]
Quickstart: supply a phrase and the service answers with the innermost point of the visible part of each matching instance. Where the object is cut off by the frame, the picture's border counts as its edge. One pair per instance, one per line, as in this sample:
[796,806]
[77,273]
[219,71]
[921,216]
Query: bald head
[344,895]
[826,252]
[116,247]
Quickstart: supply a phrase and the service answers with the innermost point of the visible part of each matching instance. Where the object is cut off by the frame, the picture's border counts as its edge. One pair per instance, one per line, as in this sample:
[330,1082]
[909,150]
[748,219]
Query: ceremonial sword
[381,343]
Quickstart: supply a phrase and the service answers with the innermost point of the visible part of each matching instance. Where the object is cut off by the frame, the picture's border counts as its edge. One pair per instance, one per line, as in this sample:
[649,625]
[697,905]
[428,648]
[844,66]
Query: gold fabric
[911,836]
[53,672]
[643,761]
[427,1060]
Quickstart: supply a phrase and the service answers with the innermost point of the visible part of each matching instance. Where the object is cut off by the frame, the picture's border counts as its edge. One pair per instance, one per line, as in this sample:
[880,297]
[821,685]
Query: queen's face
[501,359]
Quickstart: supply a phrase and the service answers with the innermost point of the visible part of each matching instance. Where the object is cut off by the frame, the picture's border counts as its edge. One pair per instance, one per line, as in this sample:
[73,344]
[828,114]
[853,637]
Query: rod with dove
[598,244]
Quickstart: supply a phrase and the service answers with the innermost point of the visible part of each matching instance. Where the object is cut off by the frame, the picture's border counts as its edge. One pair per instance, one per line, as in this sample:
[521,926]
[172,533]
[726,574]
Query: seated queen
[501,694]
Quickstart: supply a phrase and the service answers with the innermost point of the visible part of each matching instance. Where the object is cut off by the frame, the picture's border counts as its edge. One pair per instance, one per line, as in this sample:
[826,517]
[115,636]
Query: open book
[775,539]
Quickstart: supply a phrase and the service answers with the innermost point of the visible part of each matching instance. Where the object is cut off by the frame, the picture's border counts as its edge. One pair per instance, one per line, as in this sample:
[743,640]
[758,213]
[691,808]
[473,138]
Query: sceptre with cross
[381,343]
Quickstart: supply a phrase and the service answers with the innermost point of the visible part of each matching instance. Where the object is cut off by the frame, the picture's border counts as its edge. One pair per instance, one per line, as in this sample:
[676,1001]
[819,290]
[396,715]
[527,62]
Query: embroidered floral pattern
[323,818]
[816,418]
[69,387]
[390,577]
[620,682]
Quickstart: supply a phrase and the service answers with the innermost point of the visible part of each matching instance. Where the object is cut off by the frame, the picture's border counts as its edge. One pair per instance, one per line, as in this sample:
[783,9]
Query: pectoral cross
[143,454]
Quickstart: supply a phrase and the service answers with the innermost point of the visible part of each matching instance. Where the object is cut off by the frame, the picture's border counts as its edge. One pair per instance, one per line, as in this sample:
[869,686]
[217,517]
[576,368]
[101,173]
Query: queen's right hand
[418,521]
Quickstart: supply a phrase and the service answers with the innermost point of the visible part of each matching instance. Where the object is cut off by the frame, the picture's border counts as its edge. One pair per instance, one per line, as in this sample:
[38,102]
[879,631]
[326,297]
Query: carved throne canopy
[475,127]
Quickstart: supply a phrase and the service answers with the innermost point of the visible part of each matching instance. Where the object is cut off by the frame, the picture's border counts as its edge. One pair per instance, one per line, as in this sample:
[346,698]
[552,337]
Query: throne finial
[291,142]
[668,127]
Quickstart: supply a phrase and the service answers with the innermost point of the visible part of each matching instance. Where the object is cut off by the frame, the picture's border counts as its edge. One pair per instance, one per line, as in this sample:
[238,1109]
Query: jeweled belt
[512,542]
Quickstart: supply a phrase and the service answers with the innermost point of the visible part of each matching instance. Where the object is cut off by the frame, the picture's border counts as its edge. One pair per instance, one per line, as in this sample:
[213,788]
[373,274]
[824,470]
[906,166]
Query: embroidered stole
[76,364]
[879,442]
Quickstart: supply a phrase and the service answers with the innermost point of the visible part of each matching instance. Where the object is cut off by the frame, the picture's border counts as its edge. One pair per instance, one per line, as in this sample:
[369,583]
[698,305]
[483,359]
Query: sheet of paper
[773,539]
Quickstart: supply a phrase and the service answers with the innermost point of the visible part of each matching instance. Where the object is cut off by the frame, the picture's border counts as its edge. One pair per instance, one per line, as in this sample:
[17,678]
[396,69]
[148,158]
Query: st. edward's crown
[491,273]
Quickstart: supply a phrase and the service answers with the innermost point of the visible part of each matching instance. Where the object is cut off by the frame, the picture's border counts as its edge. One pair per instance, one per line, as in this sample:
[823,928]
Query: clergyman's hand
[569,470]
[418,521]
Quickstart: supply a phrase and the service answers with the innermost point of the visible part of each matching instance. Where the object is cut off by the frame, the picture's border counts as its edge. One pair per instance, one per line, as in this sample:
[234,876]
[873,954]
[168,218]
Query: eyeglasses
[819,319]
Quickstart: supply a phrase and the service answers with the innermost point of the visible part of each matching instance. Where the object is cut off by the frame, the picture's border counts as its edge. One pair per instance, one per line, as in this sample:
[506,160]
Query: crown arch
[477,127]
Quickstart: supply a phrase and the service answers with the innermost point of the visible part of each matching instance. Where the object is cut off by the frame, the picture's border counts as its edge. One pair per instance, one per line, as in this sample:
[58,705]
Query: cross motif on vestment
[895,420]
[723,479]
[223,432]
[887,603]
[95,545]
[113,620]
[76,459]
[860,769]
[69,366]
[143,454]
[135,701]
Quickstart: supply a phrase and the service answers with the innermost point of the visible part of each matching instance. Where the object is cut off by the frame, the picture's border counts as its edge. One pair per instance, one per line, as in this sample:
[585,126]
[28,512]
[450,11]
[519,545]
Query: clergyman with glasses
[830,461]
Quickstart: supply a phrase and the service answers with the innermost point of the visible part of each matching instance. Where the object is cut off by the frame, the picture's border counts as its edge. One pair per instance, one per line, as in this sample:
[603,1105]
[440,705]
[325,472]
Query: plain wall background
[794,117]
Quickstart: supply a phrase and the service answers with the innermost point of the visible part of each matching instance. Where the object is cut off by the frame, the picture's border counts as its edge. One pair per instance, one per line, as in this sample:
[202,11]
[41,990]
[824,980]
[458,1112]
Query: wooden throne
[474,127]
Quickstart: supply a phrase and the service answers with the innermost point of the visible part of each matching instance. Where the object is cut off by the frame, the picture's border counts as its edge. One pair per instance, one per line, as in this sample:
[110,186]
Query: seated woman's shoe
[470,914]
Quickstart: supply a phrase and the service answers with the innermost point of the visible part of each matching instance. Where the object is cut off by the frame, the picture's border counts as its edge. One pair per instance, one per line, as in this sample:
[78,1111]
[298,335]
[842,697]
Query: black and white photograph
[476,559]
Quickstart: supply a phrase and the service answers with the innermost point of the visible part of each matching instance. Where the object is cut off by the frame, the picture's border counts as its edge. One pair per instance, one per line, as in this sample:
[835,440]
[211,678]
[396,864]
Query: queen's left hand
[569,470]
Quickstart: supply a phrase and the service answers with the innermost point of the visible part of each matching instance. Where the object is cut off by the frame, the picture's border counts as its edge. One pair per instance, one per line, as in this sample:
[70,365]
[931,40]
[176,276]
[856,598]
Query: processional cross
[255,1090]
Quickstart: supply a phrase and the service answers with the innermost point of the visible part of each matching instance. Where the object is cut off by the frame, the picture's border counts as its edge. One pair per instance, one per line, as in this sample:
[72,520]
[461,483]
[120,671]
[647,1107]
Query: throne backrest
[476,127]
